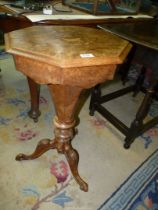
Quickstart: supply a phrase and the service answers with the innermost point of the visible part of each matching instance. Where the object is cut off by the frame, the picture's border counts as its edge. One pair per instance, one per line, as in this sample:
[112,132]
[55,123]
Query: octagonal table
[68,59]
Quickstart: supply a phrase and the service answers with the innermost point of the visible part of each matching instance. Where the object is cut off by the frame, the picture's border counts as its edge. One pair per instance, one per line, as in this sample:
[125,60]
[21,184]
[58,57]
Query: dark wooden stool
[137,126]
[143,34]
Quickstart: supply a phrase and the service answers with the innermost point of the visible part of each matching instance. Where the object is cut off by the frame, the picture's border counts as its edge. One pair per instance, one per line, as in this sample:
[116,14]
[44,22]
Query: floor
[104,163]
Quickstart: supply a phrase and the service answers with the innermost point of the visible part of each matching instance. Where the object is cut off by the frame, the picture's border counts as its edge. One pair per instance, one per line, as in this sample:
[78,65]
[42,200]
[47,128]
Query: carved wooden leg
[43,146]
[64,133]
[65,99]
[34,113]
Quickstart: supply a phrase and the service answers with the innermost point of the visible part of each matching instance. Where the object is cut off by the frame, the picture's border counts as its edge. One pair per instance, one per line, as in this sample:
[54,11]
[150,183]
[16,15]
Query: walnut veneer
[68,59]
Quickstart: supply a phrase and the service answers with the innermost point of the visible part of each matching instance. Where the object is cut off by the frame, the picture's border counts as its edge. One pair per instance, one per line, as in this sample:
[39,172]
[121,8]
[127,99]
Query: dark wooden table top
[15,19]
[143,33]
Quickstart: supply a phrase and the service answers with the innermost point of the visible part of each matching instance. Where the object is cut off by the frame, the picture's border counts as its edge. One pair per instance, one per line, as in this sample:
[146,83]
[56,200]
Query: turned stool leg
[34,113]
[65,99]
[95,95]
[139,81]
[137,124]
[125,67]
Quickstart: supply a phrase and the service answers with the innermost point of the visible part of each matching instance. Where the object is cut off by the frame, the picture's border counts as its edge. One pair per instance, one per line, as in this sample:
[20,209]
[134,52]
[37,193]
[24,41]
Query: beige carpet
[46,183]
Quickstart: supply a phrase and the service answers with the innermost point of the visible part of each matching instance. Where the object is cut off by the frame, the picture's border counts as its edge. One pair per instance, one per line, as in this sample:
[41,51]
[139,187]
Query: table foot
[73,159]
[126,145]
[43,146]
[34,115]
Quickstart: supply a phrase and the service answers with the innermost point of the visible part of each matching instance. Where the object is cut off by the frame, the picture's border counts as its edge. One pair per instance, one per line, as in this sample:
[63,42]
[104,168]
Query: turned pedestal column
[68,59]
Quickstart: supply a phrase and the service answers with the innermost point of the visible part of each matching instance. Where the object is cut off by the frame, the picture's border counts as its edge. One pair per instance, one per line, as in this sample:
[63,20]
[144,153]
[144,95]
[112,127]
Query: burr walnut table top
[59,54]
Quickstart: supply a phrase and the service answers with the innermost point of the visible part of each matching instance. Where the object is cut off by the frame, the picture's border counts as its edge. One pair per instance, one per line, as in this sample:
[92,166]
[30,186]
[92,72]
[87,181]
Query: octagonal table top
[67,46]
[67,55]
